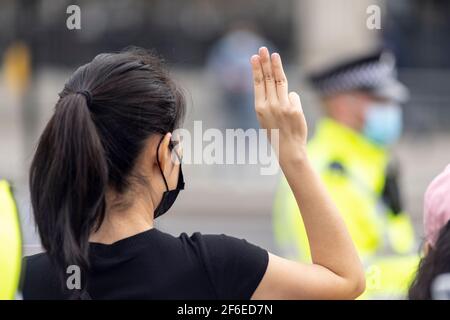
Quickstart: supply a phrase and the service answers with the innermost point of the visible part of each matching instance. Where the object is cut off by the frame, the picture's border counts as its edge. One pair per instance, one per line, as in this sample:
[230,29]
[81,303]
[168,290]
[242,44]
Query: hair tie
[87,95]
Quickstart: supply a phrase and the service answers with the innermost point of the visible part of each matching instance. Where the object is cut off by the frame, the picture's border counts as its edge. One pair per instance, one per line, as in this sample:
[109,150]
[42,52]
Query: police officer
[10,244]
[350,149]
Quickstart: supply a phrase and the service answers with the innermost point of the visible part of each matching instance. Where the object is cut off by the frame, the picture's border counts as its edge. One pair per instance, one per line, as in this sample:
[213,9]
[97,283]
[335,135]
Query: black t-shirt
[156,265]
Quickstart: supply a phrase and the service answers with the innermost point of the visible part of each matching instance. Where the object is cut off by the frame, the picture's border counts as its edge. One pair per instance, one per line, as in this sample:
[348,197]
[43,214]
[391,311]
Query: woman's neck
[122,223]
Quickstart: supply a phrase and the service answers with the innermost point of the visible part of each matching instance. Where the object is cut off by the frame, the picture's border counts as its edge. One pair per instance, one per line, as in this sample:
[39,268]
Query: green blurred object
[10,243]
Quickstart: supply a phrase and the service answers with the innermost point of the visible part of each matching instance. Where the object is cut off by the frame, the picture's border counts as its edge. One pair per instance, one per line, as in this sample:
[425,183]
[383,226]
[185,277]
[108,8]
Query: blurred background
[207,45]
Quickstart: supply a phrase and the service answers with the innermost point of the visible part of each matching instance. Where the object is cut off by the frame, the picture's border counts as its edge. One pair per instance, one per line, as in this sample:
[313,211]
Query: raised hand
[275,107]
[336,271]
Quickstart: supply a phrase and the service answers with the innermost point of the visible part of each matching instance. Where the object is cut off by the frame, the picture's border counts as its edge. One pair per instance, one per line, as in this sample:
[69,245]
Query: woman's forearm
[330,243]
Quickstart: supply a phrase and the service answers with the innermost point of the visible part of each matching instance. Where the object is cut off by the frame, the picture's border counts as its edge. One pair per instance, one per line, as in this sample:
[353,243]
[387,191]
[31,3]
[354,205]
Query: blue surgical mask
[383,123]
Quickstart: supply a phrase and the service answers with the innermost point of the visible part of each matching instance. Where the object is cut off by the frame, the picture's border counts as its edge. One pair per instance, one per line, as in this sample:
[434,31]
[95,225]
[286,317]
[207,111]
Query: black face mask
[169,196]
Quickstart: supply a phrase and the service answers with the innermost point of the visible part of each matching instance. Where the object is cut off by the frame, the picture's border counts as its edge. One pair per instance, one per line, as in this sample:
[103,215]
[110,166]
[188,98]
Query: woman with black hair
[103,172]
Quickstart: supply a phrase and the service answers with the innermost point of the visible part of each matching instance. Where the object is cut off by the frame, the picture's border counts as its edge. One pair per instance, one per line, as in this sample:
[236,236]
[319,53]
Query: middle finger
[269,79]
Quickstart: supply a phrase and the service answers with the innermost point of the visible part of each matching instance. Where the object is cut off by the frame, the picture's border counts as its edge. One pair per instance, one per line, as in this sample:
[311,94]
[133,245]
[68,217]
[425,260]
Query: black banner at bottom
[221,309]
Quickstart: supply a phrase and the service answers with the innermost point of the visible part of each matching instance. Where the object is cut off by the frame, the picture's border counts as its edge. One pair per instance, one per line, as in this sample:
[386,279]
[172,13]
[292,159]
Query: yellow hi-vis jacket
[10,244]
[353,170]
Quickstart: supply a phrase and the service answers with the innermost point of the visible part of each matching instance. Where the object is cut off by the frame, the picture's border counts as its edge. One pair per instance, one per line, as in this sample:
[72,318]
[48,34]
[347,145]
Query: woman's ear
[164,152]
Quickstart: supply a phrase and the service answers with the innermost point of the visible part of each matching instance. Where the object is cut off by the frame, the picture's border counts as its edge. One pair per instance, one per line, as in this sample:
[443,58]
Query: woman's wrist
[294,157]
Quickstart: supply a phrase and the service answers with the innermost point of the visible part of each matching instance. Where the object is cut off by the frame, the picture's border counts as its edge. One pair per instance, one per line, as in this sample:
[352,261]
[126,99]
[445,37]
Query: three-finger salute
[275,107]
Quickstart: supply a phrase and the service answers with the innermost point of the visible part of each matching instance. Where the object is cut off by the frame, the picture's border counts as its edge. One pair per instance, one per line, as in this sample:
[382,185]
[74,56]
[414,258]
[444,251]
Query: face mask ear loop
[159,165]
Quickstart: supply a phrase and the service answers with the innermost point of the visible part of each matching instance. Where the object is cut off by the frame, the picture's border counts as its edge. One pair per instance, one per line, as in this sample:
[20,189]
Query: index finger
[258,80]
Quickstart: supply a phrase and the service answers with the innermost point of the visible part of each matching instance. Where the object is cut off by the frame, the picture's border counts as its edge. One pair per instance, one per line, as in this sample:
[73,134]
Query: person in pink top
[436,261]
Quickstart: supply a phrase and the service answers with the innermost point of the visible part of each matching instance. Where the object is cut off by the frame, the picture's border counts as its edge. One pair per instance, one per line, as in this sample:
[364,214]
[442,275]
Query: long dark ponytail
[106,112]
[435,263]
